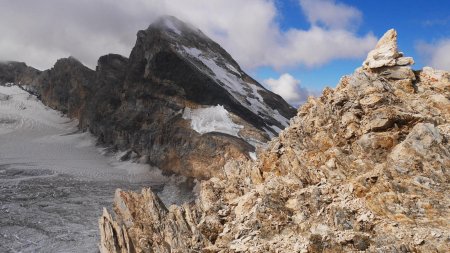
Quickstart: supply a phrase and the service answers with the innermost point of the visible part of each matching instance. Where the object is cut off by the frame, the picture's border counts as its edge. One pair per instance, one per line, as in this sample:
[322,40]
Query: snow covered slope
[227,76]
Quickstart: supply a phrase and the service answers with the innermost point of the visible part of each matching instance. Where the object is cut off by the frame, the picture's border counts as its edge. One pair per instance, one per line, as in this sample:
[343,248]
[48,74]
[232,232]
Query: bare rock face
[19,73]
[364,167]
[66,87]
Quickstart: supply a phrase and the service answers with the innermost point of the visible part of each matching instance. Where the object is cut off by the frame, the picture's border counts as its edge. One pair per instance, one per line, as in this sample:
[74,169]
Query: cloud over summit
[39,32]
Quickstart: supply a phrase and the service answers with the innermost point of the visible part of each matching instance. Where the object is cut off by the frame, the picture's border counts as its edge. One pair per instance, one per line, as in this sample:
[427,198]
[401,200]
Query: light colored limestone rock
[385,52]
[404,61]
[398,72]
[387,59]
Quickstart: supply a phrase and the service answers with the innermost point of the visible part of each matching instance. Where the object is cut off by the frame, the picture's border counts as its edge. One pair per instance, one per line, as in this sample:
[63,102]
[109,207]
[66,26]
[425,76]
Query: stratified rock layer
[364,167]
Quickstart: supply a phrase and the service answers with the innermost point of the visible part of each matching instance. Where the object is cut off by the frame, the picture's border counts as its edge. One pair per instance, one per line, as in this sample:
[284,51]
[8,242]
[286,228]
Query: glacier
[54,180]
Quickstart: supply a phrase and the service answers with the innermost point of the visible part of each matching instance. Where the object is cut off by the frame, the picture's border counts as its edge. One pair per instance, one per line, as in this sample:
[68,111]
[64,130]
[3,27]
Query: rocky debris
[181,231]
[364,167]
[136,104]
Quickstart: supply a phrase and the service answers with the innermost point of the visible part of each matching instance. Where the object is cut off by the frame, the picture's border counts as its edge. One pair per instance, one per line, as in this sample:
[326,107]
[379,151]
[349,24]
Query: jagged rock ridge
[364,167]
[166,106]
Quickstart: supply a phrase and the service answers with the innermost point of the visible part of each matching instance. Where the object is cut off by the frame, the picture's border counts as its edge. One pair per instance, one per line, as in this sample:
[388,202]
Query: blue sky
[415,21]
[293,47]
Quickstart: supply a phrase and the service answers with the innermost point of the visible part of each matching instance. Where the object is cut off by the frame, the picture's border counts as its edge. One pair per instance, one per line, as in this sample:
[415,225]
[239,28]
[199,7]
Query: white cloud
[331,14]
[289,88]
[318,46]
[437,54]
[39,32]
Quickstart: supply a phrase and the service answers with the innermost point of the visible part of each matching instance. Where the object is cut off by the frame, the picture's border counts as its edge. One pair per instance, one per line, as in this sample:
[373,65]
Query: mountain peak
[173,25]
[69,59]
[170,41]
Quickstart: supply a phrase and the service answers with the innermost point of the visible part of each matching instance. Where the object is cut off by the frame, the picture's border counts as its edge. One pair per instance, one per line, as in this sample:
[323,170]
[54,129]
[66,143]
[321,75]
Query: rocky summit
[363,167]
[179,102]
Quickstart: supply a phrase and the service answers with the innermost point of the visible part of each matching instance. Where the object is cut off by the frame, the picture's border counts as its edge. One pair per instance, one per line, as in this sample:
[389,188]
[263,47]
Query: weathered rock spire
[386,60]
[386,53]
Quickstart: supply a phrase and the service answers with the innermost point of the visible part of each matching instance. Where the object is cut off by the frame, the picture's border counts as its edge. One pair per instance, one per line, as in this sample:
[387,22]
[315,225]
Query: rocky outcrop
[364,167]
[18,73]
[66,87]
[179,102]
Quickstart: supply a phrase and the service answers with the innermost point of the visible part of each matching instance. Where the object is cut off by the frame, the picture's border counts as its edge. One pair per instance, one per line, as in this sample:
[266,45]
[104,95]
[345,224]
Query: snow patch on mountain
[211,119]
[228,76]
[221,74]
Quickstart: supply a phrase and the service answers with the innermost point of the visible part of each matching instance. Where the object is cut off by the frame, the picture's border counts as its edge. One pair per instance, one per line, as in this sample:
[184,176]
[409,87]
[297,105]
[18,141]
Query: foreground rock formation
[179,102]
[364,167]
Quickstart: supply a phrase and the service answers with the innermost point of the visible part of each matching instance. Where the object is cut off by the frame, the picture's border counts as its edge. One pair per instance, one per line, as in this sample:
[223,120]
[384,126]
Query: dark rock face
[176,52]
[18,73]
[138,103]
[66,86]
[10,71]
